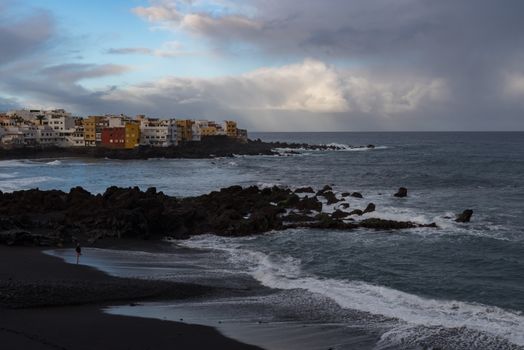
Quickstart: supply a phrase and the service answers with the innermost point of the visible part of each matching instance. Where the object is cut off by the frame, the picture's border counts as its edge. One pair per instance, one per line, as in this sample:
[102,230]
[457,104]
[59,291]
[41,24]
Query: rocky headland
[54,218]
[208,147]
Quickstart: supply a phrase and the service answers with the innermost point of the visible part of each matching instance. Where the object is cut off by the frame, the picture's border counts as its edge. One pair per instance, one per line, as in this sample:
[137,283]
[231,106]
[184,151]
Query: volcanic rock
[339,214]
[402,192]
[370,208]
[465,216]
[309,203]
[305,190]
[330,197]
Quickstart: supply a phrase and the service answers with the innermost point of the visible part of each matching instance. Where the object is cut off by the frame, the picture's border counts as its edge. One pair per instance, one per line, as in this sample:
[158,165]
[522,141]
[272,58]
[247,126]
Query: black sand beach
[48,304]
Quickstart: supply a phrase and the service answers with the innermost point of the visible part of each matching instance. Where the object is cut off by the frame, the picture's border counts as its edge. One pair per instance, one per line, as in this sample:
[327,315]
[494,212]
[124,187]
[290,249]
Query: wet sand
[48,304]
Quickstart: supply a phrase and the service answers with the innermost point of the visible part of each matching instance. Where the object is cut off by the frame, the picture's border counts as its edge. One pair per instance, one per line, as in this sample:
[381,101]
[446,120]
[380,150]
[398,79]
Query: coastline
[239,306]
[49,304]
[208,147]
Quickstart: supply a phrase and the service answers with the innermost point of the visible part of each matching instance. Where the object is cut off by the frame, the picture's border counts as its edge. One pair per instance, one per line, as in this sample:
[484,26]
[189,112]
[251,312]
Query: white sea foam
[344,147]
[263,185]
[285,273]
[17,163]
[23,183]
[54,162]
[301,151]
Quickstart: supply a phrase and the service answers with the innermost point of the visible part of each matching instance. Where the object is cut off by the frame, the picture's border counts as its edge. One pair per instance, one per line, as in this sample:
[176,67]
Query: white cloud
[396,95]
[310,86]
[162,12]
[514,85]
[205,24]
[168,49]
[197,21]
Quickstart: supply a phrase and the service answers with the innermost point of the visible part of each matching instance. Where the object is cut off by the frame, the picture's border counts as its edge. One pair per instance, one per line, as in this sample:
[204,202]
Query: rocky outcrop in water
[465,216]
[305,190]
[402,192]
[36,217]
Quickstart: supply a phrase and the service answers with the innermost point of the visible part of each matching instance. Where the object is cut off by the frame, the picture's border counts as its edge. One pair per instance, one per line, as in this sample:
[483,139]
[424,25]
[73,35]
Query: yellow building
[93,126]
[209,130]
[184,130]
[231,128]
[132,138]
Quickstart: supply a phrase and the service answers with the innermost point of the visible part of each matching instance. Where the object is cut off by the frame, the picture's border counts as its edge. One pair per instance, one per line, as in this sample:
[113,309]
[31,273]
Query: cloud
[305,93]
[8,104]
[373,65]
[163,12]
[407,54]
[24,37]
[74,72]
[225,25]
[514,85]
[130,51]
[168,49]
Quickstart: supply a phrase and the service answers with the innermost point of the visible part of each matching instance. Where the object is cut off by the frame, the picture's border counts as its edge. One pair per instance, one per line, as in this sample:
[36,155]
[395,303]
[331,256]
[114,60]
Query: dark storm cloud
[476,47]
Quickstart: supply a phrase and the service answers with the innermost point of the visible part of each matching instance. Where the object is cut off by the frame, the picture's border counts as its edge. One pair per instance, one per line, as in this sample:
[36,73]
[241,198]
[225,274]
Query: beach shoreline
[49,304]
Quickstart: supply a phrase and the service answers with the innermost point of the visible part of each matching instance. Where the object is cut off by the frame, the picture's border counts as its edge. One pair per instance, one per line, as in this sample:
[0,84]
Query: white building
[117,121]
[12,136]
[197,127]
[46,135]
[157,132]
[29,131]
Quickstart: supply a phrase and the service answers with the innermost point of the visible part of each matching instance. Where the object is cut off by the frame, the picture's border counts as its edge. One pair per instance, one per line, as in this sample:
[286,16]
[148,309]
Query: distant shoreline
[209,147]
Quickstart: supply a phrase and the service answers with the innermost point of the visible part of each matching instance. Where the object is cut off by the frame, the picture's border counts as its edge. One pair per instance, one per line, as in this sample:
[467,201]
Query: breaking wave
[412,310]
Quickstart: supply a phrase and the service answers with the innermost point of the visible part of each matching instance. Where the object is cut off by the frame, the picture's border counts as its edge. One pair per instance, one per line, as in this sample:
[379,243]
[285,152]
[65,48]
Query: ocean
[459,286]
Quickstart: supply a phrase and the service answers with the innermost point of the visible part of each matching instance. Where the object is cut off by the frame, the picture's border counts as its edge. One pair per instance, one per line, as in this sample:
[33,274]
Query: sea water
[457,286]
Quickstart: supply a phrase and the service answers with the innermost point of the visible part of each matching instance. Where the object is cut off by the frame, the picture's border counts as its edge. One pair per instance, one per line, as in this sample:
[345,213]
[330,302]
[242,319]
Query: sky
[272,65]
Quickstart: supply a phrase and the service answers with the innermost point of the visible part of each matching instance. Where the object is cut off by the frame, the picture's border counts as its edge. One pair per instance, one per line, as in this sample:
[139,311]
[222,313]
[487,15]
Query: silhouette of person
[78,251]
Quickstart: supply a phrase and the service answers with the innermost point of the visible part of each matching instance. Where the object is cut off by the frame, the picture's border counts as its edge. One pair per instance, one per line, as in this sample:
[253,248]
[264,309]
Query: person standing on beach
[78,251]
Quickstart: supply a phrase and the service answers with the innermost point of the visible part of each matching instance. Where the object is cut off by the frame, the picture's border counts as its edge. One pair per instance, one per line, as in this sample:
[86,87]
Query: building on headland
[36,127]
[157,132]
[230,128]
[132,136]
[113,137]
[242,135]
[184,130]
[93,126]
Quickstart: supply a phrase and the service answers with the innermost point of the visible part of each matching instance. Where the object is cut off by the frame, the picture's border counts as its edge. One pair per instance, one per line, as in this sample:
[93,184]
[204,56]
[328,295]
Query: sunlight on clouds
[514,85]
[370,95]
[163,12]
[310,86]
